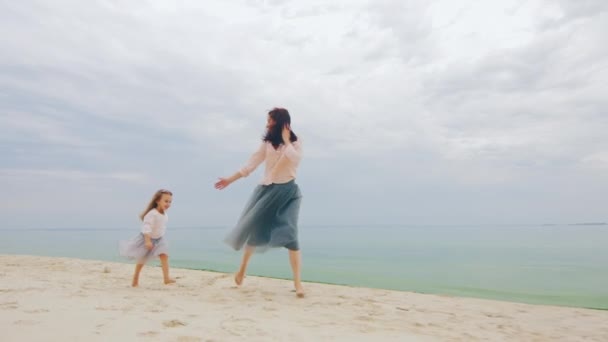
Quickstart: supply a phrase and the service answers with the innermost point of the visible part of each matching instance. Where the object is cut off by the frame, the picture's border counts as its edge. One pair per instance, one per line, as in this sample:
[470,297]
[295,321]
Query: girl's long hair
[152,204]
[275,134]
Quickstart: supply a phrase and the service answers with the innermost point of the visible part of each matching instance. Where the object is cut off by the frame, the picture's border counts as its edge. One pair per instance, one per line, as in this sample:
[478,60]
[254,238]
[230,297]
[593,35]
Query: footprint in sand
[245,291]
[189,339]
[364,318]
[9,305]
[26,322]
[110,308]
[36,311]
[495,315]
[241,327]
[148,334]
[174,323]
[213,280]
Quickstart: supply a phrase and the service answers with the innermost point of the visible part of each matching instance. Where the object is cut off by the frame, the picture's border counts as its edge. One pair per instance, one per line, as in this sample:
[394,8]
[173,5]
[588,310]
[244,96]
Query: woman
[270,218]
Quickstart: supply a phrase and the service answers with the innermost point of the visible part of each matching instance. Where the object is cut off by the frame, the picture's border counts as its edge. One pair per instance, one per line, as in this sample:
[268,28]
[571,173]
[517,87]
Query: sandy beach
[52,299]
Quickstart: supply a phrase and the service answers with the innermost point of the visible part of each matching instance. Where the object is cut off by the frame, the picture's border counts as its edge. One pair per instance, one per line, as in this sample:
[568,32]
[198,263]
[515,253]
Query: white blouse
[281,165]
[155,224]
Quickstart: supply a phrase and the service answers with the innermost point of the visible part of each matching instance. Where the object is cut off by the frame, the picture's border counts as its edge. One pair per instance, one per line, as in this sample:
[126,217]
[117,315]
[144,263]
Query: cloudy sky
[410,112]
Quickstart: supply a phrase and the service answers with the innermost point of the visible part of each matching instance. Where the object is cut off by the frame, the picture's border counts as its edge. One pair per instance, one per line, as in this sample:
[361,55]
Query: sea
[564,265]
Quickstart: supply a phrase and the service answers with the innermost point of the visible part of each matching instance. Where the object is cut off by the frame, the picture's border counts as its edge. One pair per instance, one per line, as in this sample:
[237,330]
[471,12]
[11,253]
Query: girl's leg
[164,261]
[138,268]
[295,259]
[238,277]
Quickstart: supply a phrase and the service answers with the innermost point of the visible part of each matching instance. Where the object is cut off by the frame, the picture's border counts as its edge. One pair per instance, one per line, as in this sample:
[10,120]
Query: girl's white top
[155,224]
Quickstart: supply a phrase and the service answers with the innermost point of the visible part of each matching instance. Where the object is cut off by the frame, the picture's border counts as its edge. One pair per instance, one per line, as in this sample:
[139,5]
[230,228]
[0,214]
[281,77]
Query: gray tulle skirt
[270,218]
[135,248]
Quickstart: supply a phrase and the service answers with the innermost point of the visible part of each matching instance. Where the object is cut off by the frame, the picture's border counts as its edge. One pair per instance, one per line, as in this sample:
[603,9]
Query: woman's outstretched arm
[254,161]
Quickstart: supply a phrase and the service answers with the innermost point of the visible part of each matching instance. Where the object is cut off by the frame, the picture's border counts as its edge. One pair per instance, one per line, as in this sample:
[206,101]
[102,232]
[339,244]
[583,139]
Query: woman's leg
[238,278]
[295,259]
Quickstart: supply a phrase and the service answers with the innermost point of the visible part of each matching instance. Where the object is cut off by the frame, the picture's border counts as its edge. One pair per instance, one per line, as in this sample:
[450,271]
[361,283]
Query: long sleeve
[146,227]
[254,161]
[294,152]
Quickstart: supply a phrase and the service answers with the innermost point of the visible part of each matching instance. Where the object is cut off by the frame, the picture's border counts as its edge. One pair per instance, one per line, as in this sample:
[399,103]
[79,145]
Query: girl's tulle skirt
[270,218]
[135,248]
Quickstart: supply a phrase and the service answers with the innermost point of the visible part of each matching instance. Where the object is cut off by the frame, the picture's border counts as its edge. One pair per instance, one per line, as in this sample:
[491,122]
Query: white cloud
[599,159]
[447,93]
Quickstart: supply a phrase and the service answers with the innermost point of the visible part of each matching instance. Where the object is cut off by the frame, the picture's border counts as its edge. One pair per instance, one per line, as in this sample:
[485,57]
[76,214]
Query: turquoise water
[560,265]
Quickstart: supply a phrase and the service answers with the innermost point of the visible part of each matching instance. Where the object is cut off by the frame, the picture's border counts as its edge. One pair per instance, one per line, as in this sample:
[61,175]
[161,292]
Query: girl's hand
[222,183]
[149,245]
[286,134]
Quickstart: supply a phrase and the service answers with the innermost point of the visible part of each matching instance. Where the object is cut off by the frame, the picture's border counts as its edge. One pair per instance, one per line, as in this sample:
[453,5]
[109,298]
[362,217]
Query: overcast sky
[410,112]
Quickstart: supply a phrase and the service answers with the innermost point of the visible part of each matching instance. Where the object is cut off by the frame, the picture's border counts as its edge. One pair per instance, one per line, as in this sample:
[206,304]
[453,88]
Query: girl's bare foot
[134,284]
[169,281]
[238,278]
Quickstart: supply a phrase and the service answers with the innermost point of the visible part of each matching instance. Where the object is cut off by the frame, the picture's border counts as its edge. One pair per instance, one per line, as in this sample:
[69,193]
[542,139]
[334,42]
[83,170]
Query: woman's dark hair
[274,135]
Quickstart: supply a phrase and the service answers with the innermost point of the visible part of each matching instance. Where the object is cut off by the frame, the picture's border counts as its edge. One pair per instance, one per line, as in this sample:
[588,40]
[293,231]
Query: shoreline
[44,298]
[396,290]
[475,295]
[531,265]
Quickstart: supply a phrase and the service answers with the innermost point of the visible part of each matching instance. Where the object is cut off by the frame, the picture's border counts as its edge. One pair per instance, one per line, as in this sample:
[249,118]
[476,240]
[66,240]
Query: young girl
[270,219]
[151,242]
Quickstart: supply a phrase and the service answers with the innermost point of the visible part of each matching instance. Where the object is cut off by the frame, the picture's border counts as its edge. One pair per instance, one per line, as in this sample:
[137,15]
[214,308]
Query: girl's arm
[148,241]
[146,229]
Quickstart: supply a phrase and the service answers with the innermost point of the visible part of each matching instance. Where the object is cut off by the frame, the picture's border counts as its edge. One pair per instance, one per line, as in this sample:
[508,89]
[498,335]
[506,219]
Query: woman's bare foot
[238,278]
[299,291]
[134,284]
[169,281]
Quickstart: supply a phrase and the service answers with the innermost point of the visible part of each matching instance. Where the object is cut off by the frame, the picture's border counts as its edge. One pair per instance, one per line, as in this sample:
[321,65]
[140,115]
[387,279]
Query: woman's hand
[222,183]
[286,134]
